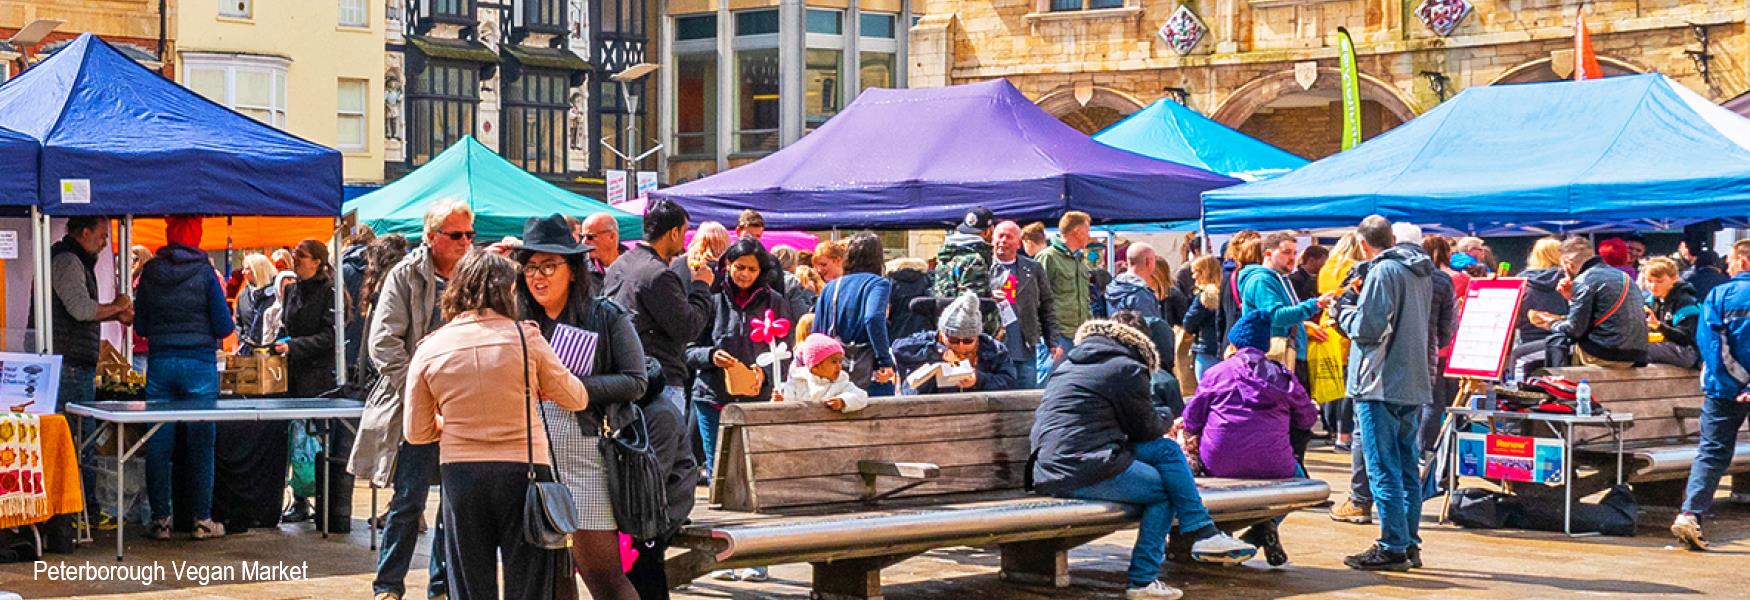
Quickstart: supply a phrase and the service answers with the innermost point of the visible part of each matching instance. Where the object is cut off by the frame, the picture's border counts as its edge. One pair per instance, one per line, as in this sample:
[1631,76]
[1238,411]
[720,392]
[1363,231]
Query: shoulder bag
[549,514]
[637,484]
[859,356]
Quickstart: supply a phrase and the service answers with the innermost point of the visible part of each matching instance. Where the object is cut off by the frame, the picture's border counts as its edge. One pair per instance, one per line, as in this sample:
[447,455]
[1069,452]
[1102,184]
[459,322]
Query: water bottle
[1583,399]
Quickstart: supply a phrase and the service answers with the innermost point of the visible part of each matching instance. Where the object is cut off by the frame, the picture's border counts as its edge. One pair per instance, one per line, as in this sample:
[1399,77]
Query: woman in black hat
[558,294]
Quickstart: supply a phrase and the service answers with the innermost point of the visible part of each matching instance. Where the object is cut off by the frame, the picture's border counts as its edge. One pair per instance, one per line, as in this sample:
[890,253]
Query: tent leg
[339,305]
[125,266]
[40,291]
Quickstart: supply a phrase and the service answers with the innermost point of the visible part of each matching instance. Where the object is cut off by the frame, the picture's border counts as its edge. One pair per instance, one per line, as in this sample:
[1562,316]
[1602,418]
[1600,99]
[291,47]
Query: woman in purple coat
[1238,423]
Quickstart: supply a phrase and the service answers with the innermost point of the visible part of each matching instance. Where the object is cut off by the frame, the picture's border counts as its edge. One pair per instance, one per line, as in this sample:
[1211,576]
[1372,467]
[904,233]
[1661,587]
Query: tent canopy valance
[1633,152]
[120,139]
[900,158]
[502,195]
[19,153]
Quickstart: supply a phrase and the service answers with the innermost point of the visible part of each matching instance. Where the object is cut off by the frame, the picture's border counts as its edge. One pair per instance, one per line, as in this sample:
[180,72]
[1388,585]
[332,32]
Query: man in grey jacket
[404,314]
[1032,336]
[1389,379]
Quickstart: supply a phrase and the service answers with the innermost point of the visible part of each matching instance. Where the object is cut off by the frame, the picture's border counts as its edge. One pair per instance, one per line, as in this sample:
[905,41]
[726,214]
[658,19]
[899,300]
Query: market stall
[502,195]
[905,158]
[1172,132]
[1634,152]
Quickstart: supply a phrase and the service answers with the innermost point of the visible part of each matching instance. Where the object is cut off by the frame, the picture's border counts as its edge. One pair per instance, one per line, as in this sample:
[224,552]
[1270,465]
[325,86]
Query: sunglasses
[546,269]
[457,236]
[962,341]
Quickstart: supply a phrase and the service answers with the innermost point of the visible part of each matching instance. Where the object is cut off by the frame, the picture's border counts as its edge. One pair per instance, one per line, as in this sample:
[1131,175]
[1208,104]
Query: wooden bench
[853,494]
[1661,444]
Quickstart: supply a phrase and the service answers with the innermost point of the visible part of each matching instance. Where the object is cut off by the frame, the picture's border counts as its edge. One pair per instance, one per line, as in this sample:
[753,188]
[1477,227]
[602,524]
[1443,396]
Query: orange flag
[1585,62]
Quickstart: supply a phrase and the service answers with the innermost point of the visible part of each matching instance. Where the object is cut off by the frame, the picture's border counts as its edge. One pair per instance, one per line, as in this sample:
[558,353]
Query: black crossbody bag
[549,514]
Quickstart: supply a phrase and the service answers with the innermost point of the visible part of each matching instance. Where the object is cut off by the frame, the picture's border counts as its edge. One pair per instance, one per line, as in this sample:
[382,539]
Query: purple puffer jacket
[1244,409]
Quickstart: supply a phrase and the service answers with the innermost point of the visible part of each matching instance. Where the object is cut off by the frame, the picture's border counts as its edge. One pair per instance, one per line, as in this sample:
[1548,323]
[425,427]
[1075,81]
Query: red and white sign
[1485,328]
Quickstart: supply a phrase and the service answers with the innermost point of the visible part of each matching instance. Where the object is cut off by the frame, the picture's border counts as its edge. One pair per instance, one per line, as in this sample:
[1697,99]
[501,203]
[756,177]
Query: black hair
[863,254]
[771,275]
[662,216]
[579,291]
[82,223]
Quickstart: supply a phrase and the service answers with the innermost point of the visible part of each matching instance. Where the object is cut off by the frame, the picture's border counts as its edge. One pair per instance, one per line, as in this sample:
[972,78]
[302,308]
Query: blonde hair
[810,279]
[1349,247]
[1659,266]
[261,269]
[1246,248]
[442,210]
[1545,254]
[1206,270]
[710,233]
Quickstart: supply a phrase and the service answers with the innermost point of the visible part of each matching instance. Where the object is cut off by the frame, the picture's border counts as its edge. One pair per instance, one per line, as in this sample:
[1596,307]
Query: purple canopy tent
[917,158]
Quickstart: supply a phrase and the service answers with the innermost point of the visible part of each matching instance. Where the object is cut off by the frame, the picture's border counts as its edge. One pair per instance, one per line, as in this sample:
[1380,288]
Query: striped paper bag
[576,348]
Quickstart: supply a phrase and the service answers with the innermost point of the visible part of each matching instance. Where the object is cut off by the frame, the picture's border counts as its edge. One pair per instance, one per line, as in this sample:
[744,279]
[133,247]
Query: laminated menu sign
[1485,328]
[29,382]
[1510,457]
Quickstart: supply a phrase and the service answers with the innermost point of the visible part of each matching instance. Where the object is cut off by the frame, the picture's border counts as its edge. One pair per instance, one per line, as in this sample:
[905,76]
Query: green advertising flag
[1351,89]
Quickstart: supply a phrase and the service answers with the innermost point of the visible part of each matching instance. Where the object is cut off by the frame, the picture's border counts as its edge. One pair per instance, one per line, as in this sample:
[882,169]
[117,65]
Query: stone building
[135,27]
[1268,67]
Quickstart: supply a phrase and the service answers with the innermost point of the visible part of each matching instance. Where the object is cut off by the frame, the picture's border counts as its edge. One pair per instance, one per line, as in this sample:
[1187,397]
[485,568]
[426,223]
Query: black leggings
[483,520]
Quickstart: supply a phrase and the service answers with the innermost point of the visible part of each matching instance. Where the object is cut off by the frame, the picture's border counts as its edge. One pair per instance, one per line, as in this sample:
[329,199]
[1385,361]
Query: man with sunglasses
[603,232]
[959,335]
[406,311]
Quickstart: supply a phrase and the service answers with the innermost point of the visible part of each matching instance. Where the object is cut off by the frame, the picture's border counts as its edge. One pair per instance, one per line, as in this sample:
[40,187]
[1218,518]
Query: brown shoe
[1349,512]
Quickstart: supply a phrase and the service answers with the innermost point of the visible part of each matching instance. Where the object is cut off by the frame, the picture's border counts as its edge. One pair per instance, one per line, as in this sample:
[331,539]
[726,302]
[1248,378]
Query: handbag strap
[1626,284]
[832,324]
[528,394]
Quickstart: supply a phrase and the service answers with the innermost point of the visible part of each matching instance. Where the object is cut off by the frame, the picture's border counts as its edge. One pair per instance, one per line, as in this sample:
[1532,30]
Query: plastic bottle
[1583,399]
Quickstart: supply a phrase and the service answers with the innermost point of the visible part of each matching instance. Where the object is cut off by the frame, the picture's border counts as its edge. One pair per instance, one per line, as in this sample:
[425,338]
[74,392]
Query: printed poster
[1510,458]
[1485,328]
[646,185]
[32,381]
[616,186]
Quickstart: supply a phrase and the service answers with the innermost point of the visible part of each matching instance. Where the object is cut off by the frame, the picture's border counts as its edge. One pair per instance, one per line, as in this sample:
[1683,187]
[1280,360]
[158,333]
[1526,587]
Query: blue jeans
[416,466]
[1388,439]
[1720,420]
[181,379]
[1044,355]
[1202,362]
[709,415]
[1027,372]
[1161,482]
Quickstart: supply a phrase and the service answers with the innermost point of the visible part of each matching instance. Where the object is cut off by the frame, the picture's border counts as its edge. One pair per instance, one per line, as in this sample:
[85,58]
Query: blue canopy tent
[1634,152]
[18,154]
[1172,132]
[142,144]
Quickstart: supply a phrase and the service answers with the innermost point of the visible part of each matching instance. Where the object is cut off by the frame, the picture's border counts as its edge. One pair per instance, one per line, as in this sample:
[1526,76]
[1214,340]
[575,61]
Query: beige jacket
[465,390]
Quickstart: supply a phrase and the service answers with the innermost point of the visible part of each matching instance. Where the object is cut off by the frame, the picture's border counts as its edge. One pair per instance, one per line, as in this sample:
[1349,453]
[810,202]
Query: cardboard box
[254,374]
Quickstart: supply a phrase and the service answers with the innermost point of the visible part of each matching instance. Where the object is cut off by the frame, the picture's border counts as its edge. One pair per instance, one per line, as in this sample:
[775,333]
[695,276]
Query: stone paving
[1460,564]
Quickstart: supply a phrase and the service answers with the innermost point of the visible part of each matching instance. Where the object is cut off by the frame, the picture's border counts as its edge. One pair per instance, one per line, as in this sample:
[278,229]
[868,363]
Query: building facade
[310,68]
[142,29]
[742,78]
[1268,67]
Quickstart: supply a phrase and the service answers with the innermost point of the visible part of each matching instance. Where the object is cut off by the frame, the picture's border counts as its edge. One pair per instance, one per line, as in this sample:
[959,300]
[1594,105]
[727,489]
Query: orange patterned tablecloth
[60,473]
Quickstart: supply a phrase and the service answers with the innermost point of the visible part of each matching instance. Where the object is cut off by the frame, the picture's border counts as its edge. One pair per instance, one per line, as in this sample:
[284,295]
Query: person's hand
[702,272]
[1329,298]
[1744,397]
[126,318]
[836,404]
[280,348]
[723,359]
[970,380]
[1057,353]
[122,301]
[777,395]
[530,329]
[1566,287]
[1316,333]
[883,375]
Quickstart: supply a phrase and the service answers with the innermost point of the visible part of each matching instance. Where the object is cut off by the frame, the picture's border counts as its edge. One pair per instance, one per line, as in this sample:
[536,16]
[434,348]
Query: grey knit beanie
[961,318]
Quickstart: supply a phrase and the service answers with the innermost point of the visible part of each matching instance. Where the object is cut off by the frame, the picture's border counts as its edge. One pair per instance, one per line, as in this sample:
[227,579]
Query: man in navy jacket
[1724,342]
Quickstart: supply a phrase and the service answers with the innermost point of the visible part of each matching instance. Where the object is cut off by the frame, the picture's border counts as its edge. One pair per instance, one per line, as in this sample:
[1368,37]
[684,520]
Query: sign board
[30,380]
[646,185]
[1485,328]
[8,245]
[616,186]
[1510,457]
[75,191]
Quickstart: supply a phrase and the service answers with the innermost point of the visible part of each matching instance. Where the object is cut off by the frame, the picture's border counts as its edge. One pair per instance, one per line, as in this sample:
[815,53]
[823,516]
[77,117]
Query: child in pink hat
[823,377]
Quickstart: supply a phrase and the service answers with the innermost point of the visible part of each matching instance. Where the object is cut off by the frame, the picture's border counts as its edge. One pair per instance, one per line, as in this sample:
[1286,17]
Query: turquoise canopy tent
[501,194]
[1169,131]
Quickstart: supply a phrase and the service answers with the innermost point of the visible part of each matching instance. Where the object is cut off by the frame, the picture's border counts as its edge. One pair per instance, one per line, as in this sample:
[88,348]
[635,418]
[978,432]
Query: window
[695,27]
[878,61]
[821,86]
[533,132]
[442,102]
[350,102]
[876,70]
[242,9]
[1063,5]
[829,22]
[543,15]
[756,102]
[756,22]
[252,85]
[696,104]
[353,13]
[876,25]
[462,10]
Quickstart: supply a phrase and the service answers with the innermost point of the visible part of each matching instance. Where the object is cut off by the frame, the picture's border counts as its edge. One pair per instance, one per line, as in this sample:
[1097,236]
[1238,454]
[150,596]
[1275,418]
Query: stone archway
[1540,70]
[1260,92]
[1307,121]
[1104,107]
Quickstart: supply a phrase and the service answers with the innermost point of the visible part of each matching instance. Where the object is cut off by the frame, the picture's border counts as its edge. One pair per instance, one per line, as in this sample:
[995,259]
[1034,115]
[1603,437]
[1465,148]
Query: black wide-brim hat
[552,235]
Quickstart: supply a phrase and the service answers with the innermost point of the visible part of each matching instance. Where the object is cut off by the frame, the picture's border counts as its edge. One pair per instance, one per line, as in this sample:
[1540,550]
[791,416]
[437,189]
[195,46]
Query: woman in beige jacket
[471,387]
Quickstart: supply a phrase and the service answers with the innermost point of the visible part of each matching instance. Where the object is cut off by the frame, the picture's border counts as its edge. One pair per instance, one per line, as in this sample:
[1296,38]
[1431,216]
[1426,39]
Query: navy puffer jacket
[179,304]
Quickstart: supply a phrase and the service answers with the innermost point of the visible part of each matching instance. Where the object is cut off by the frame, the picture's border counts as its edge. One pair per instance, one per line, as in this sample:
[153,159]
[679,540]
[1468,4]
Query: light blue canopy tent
[1172,132]
[1634,152]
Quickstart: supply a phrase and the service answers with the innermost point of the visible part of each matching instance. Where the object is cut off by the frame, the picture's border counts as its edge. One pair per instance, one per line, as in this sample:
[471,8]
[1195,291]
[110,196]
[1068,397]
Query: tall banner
[1585,61]
[1351,89]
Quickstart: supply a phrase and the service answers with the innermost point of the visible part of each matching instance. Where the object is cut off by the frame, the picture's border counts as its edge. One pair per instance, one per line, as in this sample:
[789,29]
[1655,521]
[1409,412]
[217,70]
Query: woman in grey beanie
[960,330]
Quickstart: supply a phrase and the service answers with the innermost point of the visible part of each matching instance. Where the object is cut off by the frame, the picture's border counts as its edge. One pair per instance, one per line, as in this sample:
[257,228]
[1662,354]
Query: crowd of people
[1228,366]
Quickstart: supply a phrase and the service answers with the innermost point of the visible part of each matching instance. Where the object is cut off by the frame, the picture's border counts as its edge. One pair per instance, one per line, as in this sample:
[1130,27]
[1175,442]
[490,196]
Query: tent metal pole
[339,305]
[40,292]
[124,264]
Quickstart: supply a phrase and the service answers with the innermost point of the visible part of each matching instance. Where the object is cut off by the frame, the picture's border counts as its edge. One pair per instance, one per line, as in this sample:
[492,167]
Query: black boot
[1265,537]
[298,512]
[1378,558]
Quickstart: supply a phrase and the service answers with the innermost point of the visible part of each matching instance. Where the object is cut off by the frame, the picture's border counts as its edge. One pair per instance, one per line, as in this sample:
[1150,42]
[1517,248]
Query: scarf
[22,494]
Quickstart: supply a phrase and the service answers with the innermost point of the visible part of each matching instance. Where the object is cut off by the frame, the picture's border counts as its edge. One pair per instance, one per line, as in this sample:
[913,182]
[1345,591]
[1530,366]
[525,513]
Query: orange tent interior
[242,232]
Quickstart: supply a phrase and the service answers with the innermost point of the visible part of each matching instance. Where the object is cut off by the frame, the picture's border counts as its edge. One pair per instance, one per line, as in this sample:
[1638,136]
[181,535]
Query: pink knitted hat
[817,347]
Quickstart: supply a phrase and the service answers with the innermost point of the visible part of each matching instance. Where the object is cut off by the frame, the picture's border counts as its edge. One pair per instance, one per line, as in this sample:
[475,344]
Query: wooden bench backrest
[1653,394]
[796,454]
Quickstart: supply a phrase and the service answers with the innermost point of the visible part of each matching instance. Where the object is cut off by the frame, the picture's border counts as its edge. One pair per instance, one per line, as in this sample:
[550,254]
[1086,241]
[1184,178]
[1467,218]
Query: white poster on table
[616,186]
[8,245]
[1485,328]
[646,185]
[29,382]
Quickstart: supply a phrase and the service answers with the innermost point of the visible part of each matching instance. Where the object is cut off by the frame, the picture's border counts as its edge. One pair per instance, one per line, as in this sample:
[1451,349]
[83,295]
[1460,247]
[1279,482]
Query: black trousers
[647,574]
[483,523]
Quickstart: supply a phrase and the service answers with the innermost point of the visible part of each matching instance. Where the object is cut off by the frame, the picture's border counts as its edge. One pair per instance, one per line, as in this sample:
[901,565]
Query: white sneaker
[1222,548]
[754,574]
[206,529]
[1688,530]
[725,575]
[1158,590]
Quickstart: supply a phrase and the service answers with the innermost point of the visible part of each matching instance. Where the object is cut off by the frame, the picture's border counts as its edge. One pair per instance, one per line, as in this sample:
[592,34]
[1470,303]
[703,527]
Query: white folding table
[116,415]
